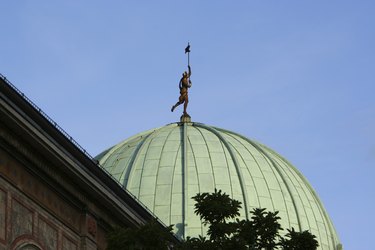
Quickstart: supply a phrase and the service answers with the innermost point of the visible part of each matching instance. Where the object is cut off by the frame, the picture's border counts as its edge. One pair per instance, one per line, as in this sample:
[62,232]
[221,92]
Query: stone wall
[34,216]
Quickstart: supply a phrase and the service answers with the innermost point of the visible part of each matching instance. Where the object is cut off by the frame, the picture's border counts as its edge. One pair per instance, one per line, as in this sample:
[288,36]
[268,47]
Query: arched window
[28,247]
[26,242]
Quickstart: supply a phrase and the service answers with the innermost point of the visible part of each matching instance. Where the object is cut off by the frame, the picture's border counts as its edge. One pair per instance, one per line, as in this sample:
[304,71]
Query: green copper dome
[165,167]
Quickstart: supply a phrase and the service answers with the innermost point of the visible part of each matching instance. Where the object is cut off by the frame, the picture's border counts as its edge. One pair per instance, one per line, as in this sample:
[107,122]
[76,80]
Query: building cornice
[41,134]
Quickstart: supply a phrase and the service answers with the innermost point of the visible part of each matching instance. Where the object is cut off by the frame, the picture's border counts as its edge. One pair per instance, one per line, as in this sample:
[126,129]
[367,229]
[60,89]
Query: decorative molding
[31,160]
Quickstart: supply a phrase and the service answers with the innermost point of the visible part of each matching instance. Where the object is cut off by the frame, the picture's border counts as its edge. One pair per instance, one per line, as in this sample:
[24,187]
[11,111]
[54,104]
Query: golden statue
[184,85]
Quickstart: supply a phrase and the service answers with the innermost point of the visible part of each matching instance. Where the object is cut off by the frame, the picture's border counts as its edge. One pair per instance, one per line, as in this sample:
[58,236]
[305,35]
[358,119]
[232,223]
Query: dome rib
[157,173]
[211,151]
[247,167]
[150,137]
[227,163]
[133,159]
[196,170]
[209,154]
[276,174]
[235,161]
[185,177]
[173,180]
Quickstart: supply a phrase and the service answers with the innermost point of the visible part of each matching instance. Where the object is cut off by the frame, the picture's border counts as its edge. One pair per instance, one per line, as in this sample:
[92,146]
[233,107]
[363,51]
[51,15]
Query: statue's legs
[175,106]
[184,99]
[181,100]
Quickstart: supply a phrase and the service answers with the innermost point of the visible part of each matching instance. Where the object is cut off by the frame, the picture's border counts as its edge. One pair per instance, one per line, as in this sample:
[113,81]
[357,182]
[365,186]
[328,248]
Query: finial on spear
[187,50]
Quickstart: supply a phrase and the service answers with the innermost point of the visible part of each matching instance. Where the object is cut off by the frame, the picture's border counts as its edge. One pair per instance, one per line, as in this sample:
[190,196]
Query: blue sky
[297,76]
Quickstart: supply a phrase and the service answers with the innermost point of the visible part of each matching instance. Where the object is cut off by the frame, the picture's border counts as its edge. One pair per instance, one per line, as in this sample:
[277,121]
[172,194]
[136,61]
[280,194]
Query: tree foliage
[266,228]
[225,231]
[148,237]
[216,207]
[299,240]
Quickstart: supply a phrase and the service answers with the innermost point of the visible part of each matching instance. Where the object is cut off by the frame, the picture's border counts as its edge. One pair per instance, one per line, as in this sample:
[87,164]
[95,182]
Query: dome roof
[165,167]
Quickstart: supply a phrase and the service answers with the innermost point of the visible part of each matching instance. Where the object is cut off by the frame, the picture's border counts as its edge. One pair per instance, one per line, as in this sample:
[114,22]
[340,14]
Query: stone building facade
[53,195]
